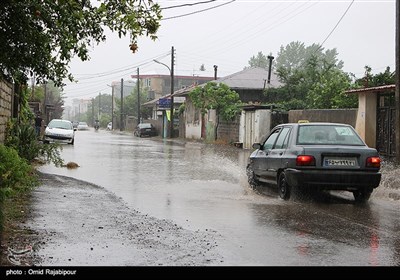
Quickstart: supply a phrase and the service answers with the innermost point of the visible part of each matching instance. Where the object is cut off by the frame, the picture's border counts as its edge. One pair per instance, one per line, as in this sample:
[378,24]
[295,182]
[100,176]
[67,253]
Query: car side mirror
[256,146]
[75,129]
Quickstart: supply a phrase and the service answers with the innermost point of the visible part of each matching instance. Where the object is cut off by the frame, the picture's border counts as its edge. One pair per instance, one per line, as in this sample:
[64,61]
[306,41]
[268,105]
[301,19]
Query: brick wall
[228,131]
[5,107]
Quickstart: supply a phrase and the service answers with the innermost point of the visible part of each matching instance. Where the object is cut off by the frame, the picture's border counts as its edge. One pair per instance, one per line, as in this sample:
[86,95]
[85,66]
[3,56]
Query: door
[385,128]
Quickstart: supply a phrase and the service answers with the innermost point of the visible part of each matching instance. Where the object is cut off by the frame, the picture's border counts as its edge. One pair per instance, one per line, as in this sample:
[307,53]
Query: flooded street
[204,188]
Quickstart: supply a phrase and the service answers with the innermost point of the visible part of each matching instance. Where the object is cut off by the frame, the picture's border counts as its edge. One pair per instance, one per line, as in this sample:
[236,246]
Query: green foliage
[312,79]
[104,101]
[260,60]
[131,103]
[42,36]
[22,138]
[181,109]
[16,174]
[218,97]
[369,80]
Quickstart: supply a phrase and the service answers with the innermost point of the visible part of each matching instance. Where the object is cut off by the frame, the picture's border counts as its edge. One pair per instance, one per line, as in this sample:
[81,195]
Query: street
[203,188]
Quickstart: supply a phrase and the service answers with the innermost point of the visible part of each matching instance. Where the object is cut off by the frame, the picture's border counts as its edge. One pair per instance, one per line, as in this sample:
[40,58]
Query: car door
[261,160]
[277,153]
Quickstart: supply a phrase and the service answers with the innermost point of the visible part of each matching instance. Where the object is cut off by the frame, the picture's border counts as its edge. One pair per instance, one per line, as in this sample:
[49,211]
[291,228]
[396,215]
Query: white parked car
[61,131]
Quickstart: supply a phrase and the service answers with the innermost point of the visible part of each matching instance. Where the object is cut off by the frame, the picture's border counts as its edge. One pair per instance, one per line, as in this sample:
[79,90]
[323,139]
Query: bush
[16,174]
[22,137]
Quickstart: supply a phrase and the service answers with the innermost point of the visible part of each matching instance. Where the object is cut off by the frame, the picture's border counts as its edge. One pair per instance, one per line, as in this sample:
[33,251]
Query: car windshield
[60,124]
[328,135]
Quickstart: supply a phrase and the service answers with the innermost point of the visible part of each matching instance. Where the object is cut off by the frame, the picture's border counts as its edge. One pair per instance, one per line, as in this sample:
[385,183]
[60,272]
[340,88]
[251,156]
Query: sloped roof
[250,78]
[372,89]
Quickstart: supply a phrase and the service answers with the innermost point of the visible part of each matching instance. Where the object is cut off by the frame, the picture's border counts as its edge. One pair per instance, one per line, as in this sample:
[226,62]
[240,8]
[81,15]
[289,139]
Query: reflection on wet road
[204,187]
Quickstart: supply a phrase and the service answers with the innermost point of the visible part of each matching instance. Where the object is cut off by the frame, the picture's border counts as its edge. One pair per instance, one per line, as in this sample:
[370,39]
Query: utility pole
[270,57]
[92,111]
[98,117]
[397,90]
[45,103]
[138,96]
[112,106]
[215,71]
[121,127]
[172,96]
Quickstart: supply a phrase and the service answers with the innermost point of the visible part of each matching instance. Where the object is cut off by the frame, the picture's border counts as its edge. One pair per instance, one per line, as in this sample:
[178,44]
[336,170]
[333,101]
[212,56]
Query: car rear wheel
[251,177]
[283,187]
[362,195]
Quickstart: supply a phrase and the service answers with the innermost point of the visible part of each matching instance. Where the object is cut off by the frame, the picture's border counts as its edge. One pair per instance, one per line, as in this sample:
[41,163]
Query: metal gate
[249,129]
[385,125]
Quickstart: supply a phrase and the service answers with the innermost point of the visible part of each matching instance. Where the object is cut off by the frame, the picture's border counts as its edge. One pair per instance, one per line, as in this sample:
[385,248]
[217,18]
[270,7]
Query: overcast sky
[228,33]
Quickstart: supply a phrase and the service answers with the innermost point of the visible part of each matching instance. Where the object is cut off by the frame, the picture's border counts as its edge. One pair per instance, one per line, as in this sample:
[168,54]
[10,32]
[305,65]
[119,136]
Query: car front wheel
[283,187]
[251,177]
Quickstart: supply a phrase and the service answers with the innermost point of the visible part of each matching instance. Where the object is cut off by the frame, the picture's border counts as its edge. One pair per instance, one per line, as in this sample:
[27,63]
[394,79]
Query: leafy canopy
[42,36]
[216,96]
[312,78]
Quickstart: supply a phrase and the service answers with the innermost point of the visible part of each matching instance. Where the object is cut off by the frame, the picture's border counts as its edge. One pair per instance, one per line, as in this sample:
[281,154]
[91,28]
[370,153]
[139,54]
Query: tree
[218,97]
[259,61]
[311,77]
[100,108]
[42,36]
[54,97]
[131,103]
[369,80]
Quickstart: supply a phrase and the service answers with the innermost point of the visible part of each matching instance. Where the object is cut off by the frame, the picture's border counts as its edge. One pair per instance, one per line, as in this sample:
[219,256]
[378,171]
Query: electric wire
[199,11]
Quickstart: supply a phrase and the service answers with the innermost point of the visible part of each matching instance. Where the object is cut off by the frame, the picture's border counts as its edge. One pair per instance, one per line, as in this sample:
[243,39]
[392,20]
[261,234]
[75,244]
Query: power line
[191,4]
[199,11]
[337,24]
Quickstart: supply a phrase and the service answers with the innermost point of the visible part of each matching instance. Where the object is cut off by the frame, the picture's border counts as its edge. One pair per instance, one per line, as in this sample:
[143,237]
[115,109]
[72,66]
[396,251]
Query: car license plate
[340,162]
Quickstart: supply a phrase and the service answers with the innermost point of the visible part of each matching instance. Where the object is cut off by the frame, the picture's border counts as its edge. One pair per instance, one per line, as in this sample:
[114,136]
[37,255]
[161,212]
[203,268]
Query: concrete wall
[366,118]
[5,107]
[193,121]
[348,116]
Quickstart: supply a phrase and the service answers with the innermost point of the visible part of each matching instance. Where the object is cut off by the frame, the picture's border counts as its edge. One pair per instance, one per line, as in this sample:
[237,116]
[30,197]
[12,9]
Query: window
[328,135]
[269,143]
[282,141]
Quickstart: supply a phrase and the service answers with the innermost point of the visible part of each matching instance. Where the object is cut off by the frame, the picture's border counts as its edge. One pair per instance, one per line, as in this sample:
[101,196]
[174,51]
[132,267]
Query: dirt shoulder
[68,222]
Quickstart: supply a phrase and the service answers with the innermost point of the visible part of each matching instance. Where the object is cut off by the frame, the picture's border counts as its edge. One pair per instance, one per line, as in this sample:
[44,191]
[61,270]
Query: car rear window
[145,125]
[328,135]
[60,124]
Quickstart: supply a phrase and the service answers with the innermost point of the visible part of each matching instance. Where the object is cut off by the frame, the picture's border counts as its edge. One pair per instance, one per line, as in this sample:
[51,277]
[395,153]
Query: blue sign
[164,103]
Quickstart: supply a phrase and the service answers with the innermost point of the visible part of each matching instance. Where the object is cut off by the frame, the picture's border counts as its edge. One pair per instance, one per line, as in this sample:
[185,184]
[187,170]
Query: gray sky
[229,35]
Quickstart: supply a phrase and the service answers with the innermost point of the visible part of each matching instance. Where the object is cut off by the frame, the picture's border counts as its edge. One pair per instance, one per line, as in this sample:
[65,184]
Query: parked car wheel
[283,187]
[251,178]
[362,195]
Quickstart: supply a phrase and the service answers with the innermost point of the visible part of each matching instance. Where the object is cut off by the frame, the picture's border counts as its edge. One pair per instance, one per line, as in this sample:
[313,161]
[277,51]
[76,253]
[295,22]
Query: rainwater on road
[204,187]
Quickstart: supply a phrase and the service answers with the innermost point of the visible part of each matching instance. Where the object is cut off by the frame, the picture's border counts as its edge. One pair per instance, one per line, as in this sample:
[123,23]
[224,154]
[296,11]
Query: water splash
[389,187]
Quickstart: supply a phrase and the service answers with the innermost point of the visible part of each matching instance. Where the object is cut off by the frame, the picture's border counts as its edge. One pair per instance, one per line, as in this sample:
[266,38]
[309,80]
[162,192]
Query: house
[250,84]
[159,88]
[375,120]
[159,85]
